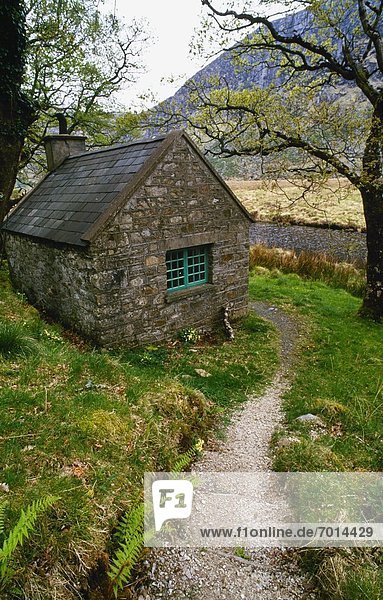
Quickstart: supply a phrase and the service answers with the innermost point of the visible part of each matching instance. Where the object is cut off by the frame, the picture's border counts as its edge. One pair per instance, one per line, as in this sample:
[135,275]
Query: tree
[77,59]
[323,106]
[17,110]
[74,59]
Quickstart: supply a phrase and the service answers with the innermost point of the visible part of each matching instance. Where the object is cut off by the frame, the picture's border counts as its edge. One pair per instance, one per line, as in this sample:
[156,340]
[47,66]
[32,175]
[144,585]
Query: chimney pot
[63,125]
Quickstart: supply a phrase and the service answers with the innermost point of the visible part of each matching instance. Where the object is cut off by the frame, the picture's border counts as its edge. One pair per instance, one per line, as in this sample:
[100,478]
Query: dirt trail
[265,573]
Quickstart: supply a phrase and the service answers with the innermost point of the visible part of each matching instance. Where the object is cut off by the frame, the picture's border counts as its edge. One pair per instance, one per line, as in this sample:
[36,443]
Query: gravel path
[265,573]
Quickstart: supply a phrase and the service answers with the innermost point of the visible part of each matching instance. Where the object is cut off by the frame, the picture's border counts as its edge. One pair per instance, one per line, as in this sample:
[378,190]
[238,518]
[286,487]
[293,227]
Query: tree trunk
[11,144]
[15,117]
[372,196]
[17,112]
[372,306]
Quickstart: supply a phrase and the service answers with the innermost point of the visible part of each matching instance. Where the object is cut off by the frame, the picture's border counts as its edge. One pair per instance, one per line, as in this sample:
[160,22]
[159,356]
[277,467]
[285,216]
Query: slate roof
[72,198]
[72,203]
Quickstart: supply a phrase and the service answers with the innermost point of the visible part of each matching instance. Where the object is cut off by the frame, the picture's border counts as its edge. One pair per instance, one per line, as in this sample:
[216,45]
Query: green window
[187,267]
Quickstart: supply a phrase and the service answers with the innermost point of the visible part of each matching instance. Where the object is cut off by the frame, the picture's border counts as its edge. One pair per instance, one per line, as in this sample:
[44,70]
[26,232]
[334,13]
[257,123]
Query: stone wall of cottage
[56,280]
[115,292]
[180,205]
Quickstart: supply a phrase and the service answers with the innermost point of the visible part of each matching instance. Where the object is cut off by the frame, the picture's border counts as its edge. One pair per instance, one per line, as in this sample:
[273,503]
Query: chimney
[61,145]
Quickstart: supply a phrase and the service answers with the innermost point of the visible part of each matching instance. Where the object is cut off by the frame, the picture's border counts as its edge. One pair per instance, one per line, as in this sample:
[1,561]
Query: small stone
[287,441]
[27,448]
[202,373]
[188,574]
[310,418]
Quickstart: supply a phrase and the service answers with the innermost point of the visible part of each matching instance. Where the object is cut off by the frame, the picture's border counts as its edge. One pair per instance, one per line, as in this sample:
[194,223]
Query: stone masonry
[114,290]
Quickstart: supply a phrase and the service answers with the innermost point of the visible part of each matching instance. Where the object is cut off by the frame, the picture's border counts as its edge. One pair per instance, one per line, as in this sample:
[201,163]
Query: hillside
[260,70]
[237,69]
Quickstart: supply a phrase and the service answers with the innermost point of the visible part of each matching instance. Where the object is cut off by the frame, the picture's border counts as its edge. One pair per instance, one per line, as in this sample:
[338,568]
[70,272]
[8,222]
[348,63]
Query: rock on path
[265,573]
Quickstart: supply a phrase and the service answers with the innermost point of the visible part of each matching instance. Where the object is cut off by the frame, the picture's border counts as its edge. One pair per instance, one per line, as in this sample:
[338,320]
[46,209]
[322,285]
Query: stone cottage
[131,243]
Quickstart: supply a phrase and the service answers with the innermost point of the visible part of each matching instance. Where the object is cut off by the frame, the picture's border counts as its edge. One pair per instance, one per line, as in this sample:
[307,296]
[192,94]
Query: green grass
[310,265]
[85,424]
[344,360]
[339,377]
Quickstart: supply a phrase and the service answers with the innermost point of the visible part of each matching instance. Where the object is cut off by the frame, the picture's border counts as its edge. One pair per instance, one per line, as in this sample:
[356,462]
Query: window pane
[197,265]
[175,269]
[187,266]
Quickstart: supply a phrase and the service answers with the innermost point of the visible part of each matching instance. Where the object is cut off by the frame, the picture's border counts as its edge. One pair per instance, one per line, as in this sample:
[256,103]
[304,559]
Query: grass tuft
[307,455]
[15,340]
[329,408]
[347,573]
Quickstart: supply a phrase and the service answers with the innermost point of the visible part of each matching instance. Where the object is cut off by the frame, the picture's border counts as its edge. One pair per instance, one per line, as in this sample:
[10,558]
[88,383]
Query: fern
[184,460]
[130,531]
[20,532]
[3,506]
[130,535]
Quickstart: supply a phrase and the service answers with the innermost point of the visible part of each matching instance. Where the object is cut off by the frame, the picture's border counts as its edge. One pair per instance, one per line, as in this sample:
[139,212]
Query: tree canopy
[319,111]
[69,56]
[77,58]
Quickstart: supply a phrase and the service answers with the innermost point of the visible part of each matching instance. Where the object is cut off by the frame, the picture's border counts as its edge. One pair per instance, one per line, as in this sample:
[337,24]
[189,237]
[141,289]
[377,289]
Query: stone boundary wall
[344,245]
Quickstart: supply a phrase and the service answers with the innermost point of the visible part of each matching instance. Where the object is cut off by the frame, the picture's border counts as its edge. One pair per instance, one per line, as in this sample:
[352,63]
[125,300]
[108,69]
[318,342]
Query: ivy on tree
[17,109]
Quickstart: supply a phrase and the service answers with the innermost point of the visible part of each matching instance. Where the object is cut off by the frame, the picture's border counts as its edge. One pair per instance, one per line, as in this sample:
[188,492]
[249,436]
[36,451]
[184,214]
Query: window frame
[186,272]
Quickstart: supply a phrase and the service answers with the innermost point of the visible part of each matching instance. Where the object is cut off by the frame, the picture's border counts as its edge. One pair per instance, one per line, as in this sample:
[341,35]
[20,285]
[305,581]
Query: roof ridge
[118,146]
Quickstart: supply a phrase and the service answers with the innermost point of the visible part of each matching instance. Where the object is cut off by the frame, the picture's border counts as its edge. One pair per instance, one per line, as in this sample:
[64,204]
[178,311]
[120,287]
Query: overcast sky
[172,25]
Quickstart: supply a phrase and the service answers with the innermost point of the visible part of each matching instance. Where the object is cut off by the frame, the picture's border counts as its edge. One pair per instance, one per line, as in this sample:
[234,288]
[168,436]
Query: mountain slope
[244,67]
[255,70]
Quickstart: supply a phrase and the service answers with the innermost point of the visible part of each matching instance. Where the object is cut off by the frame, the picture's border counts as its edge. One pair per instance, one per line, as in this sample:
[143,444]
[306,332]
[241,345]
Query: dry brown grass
[338,203]
[314,266]
[348,573]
